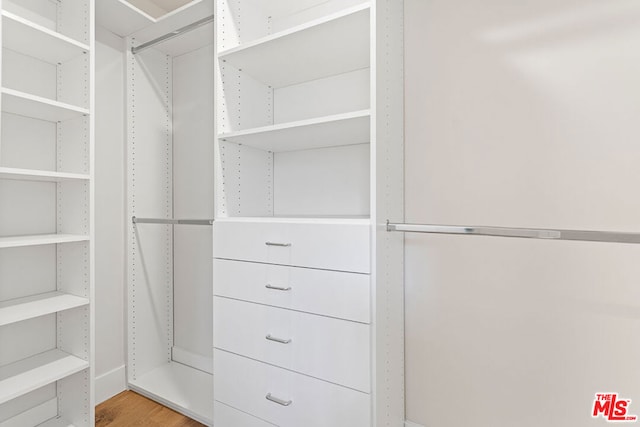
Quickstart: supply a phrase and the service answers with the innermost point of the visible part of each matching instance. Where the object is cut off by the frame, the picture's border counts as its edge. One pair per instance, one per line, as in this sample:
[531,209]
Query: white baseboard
[410,424]
[110,384]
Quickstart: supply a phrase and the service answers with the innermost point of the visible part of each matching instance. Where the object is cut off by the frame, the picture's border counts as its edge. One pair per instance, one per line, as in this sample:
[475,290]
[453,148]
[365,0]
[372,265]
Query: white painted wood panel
[323,182]
[244,383]
[37,371]
[193,177]
[179,387]
[31,39]
[33,416]
[227,416]
[340,94]
[328,46]
[37,107]
[330,349]
[38,305]
[333,244]
[336,130]
[330,293]
[39,175]
[43,239]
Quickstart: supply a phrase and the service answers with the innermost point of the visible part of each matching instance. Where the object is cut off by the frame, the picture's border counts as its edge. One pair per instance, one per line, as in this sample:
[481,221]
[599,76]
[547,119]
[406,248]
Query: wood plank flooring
[129,409]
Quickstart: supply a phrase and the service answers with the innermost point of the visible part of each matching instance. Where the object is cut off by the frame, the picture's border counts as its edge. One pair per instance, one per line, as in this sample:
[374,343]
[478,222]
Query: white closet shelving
[308,299]
[46,213]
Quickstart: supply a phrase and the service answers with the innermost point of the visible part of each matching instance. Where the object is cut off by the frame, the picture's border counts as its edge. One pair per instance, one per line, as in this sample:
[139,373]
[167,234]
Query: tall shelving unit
[46,213]
[308,296]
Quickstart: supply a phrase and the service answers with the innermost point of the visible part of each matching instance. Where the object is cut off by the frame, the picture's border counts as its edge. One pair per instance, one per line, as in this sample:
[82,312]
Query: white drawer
[323,347]
[244,384]
[330,244]
[226,416]
[330,293]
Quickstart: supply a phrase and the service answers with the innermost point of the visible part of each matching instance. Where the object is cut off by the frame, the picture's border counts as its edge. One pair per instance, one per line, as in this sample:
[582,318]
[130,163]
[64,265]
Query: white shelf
[330,131]
[335,44]
[34,372]
[28,105]
[40,239]
[338,220]
[31,39]
[34,306]
[179,387]
[40,175]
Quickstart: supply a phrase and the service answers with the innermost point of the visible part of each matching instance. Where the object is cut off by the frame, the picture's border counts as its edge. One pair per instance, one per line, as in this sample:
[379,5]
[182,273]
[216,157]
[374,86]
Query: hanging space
[170,194]
[46,214]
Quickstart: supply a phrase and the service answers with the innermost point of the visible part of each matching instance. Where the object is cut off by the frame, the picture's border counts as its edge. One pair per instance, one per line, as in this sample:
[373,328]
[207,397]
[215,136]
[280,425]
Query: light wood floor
[129,409]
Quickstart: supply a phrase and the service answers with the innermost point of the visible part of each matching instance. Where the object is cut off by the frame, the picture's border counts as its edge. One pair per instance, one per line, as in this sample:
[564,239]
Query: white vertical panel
[28,74]
[27,207]
[193,98]
[43,398]
[332,95]
[74,404]
[73,79]
[323,182]
[149,195]
[27,338]
[110,210]
[16,268]
[243,102]
[28,143]
[42,12]
[387,204]
[246,181]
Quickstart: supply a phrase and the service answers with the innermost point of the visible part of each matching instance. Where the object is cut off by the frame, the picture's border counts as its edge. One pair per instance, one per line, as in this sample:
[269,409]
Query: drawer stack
[292,323]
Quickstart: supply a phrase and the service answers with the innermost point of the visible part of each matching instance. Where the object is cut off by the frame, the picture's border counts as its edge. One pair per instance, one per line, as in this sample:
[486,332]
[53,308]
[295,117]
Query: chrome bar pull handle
[281,245]
[278,340]
[278,400]
[278,288]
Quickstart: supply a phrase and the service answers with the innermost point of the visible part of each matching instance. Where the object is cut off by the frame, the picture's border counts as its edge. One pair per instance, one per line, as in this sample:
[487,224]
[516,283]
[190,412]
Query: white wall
[110,215]
[521,114]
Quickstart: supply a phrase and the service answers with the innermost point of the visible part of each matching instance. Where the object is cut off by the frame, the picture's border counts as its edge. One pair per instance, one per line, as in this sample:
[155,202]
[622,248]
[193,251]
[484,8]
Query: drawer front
[330,293]
[330,349]
[331,246]
[226,416]
[245,384]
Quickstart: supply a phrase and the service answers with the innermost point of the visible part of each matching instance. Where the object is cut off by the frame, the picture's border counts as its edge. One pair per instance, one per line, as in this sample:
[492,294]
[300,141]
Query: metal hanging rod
[137,49]
[137,220]
[523,233]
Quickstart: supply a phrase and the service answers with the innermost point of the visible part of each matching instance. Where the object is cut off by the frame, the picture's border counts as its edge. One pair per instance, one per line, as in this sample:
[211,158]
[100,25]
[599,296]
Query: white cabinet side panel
[388,185]
[193,137]
[149,193]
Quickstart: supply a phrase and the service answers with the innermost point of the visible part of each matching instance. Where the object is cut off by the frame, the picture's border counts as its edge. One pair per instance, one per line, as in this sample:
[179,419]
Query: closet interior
[169,97]
[46,213]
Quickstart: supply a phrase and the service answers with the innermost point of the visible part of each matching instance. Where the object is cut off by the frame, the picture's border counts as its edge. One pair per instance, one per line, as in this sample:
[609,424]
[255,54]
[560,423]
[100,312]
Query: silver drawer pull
[278,288]
[282,245]
[280,340]
[278,400]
